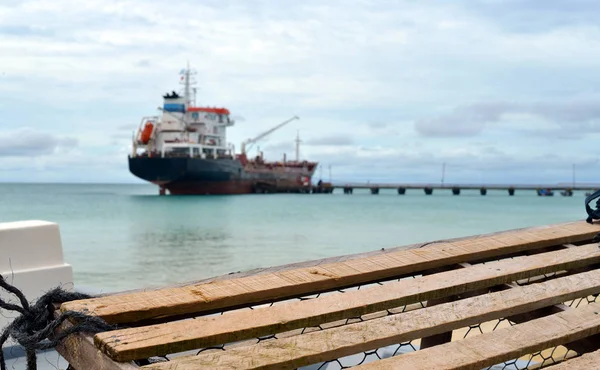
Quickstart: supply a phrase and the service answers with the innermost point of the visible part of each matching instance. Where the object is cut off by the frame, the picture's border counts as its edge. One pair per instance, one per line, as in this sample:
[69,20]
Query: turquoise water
[120,237]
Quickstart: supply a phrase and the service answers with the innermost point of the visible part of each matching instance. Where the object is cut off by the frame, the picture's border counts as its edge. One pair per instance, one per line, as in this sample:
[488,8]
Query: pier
[455,189]
[526,298]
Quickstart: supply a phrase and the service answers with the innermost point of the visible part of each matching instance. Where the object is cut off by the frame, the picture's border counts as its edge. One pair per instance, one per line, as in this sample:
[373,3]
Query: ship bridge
[185,129]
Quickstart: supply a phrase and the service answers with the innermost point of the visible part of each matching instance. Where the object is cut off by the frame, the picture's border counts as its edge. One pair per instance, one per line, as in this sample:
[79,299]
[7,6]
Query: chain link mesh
[536,360]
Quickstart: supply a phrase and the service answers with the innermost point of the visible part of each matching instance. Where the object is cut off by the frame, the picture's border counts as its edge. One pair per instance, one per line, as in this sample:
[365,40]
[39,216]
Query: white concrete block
[31,258]
[29,244]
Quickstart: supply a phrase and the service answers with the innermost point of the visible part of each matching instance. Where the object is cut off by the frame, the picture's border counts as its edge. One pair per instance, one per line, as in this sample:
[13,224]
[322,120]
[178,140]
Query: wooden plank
[201,332]
[80,352]
[217,295]
[581,346]
[315,347]
[501,345]
[586,362]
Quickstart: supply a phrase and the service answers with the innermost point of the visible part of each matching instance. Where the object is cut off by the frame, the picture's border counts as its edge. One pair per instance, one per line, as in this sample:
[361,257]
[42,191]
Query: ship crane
[250,142]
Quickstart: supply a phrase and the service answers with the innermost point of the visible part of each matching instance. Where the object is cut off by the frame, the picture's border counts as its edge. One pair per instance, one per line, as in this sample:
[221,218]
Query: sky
[386,91]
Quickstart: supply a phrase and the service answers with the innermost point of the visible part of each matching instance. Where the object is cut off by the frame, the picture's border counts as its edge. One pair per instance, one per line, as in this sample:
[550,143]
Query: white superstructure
[182,129]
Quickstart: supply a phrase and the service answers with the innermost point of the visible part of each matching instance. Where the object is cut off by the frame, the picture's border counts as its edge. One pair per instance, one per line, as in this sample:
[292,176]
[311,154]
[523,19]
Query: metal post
[443,173]
[298,146]
[330,174]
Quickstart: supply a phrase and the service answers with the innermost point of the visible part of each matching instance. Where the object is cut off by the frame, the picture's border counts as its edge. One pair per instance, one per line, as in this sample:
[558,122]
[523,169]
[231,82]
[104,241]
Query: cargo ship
[184,150]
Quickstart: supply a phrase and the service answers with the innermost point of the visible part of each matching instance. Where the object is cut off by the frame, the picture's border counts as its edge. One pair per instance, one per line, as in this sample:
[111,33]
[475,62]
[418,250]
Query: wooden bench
[524,295]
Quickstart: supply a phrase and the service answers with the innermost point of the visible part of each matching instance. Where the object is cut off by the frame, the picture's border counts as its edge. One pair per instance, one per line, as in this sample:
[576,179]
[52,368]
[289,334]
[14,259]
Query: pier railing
[428,188]
[470,186]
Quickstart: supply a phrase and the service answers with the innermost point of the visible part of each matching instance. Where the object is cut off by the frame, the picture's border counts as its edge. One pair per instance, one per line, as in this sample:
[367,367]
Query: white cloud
[566,117]
[32,143]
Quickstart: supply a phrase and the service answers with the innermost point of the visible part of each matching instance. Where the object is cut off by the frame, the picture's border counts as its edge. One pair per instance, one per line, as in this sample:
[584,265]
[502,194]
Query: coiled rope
[593,214]
[34,329]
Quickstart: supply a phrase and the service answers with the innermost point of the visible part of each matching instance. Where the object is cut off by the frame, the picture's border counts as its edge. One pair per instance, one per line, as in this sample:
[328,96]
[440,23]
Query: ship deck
[519,299]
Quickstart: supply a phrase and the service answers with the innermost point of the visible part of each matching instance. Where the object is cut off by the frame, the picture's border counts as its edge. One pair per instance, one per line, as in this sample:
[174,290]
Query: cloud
[143,63]
[581,115]
[569,119]
[462,121]
[276,149]
[127,127]
[32,143]
[334,140]
[23,30]
[526,16]
[89,163]
[377,125]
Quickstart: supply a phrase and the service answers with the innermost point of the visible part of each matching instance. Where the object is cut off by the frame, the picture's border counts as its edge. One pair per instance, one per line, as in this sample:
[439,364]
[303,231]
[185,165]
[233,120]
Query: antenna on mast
[187,80]
[298,141]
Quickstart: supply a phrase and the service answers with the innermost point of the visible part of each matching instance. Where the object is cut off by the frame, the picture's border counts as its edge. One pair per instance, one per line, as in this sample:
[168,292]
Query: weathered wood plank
[581,346]
[254,289]
[315,347]
[501,345]
[172,337]
[586,362]
[80,352]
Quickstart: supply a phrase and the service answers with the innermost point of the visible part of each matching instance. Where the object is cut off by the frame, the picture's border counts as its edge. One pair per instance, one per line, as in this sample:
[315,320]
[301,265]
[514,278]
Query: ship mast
[187,82]
[298,141]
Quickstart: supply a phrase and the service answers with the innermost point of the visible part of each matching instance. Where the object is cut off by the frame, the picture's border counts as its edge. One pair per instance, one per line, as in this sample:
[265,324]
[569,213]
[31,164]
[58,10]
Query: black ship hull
[197,176]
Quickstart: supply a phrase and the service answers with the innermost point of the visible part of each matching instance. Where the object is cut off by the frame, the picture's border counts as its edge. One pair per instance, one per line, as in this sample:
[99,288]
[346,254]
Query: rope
[593,214]
[34,327]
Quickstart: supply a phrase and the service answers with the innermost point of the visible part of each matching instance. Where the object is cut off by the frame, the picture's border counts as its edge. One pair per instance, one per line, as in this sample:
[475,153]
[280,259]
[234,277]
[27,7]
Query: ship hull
[196,176]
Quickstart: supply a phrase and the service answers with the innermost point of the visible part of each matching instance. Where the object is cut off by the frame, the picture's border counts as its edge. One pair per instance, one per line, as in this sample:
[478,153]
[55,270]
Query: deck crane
[250,142]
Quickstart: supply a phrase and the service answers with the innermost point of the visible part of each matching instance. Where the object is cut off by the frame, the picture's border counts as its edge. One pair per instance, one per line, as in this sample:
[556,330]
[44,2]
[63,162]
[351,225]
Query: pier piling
[375,190]
[428,190]
[483,191]
[401,191]
[456,190]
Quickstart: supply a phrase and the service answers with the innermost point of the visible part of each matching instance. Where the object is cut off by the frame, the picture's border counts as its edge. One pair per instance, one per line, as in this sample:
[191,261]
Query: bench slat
[178,336]
[502,345]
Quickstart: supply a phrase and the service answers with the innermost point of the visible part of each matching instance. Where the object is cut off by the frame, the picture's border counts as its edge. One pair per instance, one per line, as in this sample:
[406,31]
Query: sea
[125,236]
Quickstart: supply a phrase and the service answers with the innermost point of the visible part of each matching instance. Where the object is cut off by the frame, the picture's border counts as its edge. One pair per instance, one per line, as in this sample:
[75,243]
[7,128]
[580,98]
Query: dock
[455,189]
[525,298]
